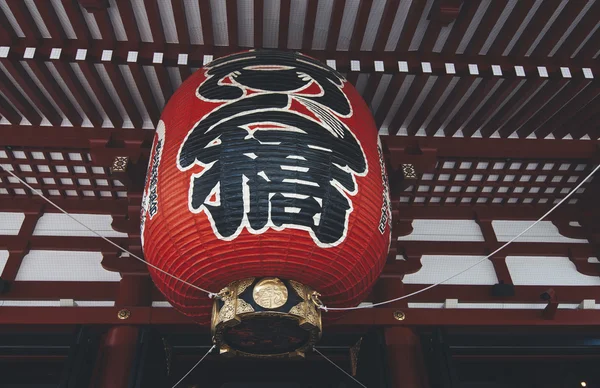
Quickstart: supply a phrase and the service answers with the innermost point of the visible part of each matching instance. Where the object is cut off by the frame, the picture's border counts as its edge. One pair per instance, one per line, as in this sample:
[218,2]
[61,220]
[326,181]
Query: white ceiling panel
[10,223]
[3,259]
[439,268]
[64,266]
[58,224]
[544,231]
[444,230]
[547,271]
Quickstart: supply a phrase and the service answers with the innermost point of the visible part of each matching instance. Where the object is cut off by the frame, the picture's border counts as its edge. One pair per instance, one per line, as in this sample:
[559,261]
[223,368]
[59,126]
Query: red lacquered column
[405,358]
[114,364]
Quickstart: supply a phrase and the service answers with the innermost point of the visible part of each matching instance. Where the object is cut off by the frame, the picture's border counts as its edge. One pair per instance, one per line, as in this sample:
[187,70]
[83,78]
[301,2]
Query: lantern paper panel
[266,164]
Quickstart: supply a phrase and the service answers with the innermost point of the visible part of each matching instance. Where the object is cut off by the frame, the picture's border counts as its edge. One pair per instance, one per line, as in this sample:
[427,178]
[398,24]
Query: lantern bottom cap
[266,318]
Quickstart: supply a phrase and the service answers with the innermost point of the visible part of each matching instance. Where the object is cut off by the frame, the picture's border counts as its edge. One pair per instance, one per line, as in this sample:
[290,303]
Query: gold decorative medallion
[270,293]
[120,164]
[123,314]
[399,315]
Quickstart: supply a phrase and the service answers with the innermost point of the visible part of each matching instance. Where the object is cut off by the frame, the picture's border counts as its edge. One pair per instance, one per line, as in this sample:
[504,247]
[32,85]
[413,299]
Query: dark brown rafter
[258,23]
[129,21]
[181,24]
[506,33]
[459,90]
[415,89]
[105,25]
[489,20]
[153,12]
[514,105]
[207,23]
[75,15]
[410,25]
[569,111]
[536,24]
[385,26]
[579,125]
[91,74]
[372,84]
[284,23]
[7,33]
[445,11]
[68,76]
[8,112]
[460,26]
[360,24]
[15,97]
[51,20]
[60,98]
[18,252]
[232,23]
[19,74]
[558,28]
[487,110]
[440,85]
[145,92]
[553,106]
[580,32]
[25,21]
[591,46]
[545,94]
[116,77]
[335,23]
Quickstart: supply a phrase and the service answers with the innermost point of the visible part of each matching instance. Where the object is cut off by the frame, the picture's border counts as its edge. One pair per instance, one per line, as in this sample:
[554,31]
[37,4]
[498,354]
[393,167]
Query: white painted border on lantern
[544,231]
[444,230]
[58,224]
[10,223]
[437,268]
[75,266]
[547,271]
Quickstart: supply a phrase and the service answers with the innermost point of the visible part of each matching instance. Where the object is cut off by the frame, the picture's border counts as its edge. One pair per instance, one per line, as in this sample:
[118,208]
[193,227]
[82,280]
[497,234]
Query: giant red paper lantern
[266,164]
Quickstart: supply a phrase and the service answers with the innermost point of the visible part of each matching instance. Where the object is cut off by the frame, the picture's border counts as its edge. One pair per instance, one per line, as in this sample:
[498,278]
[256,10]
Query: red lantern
[266,164]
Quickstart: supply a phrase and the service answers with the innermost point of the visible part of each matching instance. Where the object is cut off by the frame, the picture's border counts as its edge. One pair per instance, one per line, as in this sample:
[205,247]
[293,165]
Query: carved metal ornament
[266,318]
[120,164]
[408,171]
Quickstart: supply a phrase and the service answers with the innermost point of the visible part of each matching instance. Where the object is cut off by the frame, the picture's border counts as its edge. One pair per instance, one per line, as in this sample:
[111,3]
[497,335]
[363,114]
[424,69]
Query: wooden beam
[367,59]
[371,317]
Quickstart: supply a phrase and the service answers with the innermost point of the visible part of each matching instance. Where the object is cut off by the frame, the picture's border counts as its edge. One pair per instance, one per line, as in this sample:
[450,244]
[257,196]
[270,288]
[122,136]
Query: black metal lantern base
[266,318]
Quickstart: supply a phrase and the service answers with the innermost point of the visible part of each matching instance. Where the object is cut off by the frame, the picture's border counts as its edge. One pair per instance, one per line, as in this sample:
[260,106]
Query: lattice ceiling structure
[488,112]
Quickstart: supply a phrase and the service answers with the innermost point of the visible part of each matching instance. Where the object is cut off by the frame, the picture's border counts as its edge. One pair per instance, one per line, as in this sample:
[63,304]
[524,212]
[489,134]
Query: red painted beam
[390,59]
[496,148]
[371,317]
[414,248]
[385,289]
[526,149]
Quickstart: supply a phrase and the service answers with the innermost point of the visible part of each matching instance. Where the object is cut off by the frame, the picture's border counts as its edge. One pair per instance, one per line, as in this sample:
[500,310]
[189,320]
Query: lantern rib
[574,190]
[36,192]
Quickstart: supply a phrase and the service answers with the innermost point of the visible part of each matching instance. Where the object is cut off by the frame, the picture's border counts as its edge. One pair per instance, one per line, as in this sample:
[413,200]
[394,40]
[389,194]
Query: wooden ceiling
[502,68]
[495,103]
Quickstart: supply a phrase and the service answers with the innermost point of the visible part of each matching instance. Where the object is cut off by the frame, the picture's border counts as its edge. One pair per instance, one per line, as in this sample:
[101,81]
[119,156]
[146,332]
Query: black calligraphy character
[269,166]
